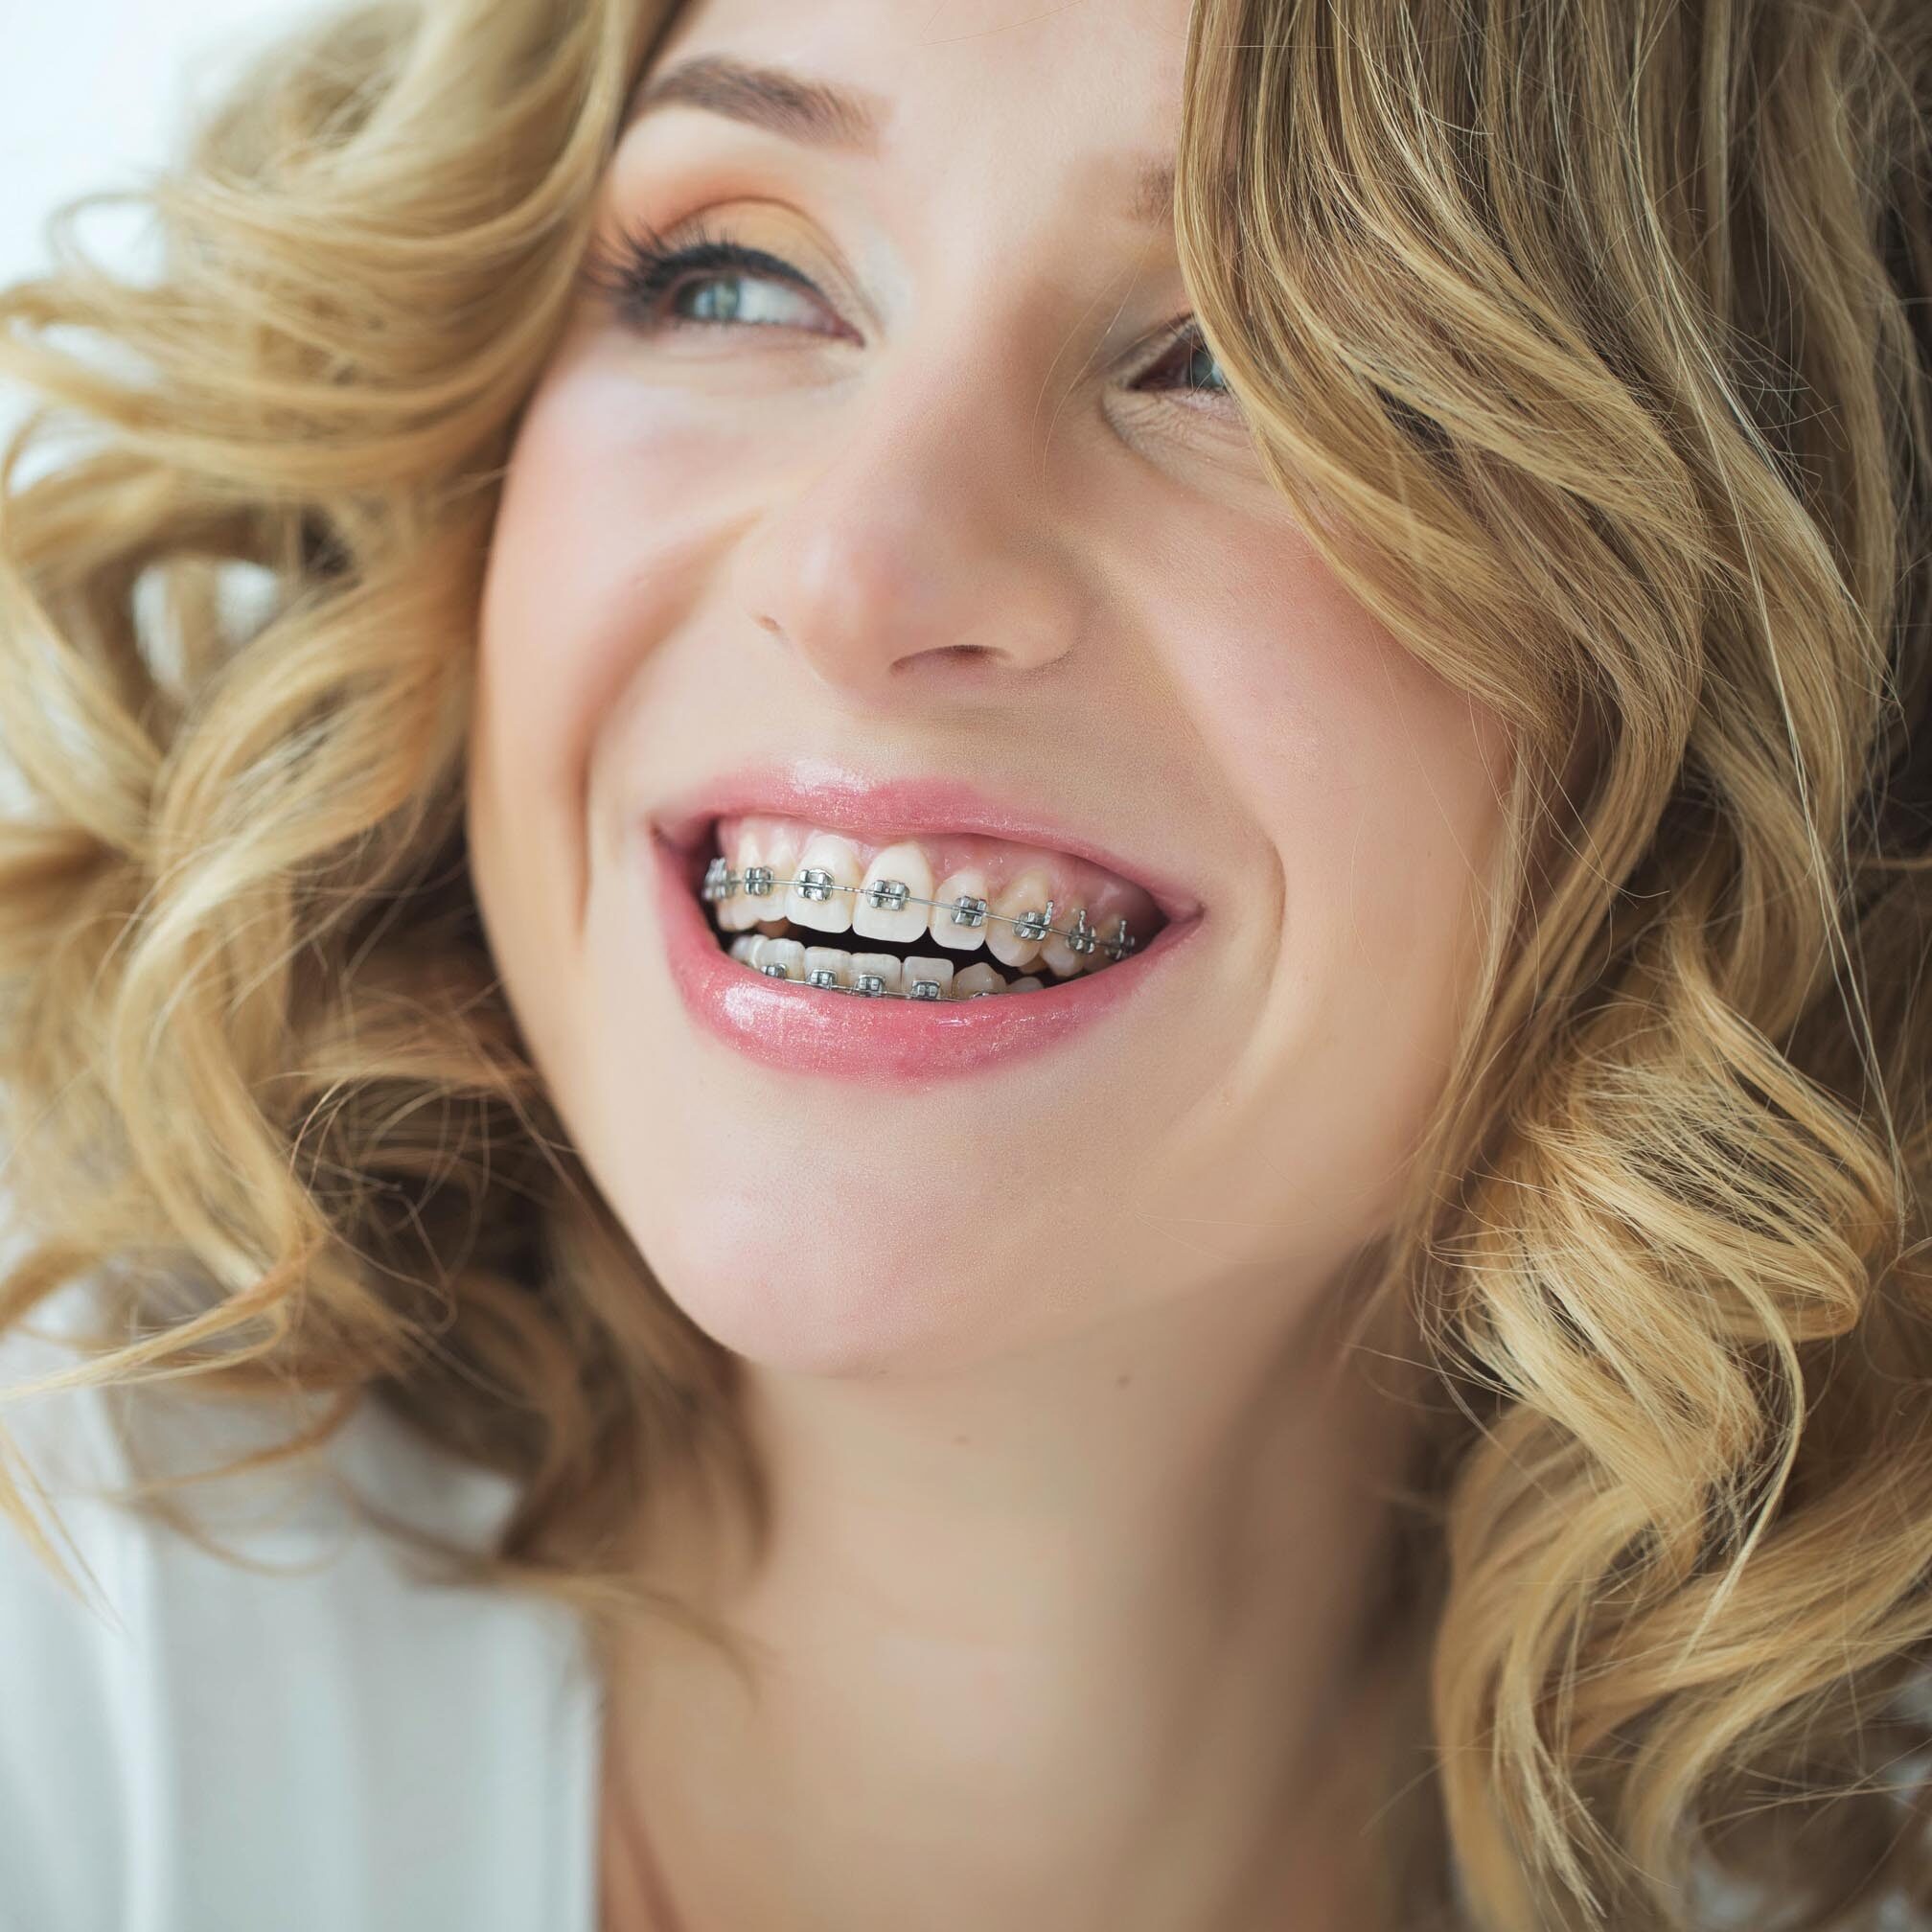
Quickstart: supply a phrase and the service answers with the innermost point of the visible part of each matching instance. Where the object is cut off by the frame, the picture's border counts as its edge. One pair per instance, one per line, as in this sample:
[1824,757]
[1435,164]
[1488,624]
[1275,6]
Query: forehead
[1093,74]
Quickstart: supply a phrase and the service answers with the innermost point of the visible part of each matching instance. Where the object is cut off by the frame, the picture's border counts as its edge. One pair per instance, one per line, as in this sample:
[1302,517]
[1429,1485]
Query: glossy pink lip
[888,1041]
[840,800]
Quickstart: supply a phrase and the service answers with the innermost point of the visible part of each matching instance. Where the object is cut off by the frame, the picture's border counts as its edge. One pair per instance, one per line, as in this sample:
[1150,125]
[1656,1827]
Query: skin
[1078,1506]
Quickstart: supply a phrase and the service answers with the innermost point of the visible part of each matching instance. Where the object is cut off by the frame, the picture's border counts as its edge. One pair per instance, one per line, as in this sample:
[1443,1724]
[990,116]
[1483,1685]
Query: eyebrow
[825,114]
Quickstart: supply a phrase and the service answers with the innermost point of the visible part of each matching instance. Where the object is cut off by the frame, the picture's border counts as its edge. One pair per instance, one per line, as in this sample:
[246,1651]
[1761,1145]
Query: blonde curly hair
[1592,343]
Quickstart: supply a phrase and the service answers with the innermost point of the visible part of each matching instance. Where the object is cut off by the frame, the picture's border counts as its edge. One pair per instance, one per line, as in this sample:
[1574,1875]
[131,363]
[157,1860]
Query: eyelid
[691,248]
[688,249]
[1170,333]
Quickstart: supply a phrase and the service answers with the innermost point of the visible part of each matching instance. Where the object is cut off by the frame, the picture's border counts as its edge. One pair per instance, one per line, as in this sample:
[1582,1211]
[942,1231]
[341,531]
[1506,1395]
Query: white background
[92,93]
[96,94]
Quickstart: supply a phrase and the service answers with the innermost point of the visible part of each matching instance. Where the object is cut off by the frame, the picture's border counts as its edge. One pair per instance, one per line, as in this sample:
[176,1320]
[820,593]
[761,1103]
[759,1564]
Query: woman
[1072,858]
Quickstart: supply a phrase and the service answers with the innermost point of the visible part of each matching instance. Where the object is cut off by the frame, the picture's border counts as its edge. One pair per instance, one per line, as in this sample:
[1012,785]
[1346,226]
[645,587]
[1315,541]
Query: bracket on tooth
[1034,925]
[870,985]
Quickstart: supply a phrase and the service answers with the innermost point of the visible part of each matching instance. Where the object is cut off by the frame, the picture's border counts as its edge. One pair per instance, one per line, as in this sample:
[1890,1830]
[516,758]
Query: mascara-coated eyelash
[649,269]
[637,280]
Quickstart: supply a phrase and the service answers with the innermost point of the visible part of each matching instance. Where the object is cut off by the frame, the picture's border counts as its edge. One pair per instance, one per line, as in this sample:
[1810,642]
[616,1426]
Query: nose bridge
[923,528]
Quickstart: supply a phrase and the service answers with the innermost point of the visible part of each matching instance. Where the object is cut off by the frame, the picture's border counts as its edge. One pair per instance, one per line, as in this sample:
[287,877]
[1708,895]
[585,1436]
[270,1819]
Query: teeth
[965,935]
[908,865]
[757,950]
[839,860]
[1029,893]
[788,953]
[816,881]
[1064,956]
[884,964]
[740,913]
[832,959]
[919,966]
[776,848]
[978,978]
[807,876]
[781,854]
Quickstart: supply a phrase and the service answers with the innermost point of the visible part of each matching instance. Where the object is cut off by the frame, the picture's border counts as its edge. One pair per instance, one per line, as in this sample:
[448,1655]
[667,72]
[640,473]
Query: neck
[1072,1640]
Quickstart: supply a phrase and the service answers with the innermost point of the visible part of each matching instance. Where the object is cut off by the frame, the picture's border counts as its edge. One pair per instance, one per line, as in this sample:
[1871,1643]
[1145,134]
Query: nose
[919,559]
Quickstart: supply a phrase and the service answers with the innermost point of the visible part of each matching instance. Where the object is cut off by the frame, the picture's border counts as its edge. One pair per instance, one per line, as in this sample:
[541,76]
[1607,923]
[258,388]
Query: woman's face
[920,548]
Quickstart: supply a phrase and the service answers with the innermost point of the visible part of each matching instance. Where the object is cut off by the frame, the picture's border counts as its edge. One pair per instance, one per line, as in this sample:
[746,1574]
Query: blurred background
[98,95]
[92,93]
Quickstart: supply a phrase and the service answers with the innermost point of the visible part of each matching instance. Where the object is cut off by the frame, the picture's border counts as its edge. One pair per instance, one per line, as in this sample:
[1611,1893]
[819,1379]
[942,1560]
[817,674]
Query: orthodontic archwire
[893,895]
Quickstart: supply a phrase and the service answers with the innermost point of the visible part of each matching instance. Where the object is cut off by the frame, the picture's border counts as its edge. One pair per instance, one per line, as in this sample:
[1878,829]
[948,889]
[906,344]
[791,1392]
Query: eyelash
[649,269]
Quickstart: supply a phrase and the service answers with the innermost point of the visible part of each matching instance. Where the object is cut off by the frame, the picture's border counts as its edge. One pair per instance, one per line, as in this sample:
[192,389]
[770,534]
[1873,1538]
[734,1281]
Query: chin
[771,1276]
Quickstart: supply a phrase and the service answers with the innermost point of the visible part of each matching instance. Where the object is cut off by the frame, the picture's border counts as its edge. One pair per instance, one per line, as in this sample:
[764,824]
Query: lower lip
[808,1029]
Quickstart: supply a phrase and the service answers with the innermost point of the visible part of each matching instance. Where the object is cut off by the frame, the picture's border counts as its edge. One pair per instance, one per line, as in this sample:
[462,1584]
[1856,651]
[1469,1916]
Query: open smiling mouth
[953,918]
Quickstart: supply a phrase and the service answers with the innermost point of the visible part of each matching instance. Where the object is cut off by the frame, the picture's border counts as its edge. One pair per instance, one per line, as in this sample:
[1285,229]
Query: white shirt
[342,1751]
[201,1748]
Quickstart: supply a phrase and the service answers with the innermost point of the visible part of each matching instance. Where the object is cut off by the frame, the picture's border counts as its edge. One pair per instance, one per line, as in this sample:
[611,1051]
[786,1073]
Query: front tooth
[839,857]
[884,964]
[788,953]
[908,865]
[1028,892]
[970,883]
[1028,984]
[919,967]
[745,946]
[832,959]
[977,978]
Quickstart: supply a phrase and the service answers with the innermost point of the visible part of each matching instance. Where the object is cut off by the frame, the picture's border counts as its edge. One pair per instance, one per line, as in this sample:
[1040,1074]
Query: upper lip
[838,799]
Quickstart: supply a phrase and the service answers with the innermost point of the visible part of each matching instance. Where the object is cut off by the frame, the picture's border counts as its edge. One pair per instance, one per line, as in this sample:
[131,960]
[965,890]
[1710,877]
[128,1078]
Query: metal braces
[893,895]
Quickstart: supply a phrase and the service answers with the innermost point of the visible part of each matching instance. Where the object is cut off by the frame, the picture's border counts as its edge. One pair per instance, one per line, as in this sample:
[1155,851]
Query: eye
[706,282]
[711,281]
[1189,353]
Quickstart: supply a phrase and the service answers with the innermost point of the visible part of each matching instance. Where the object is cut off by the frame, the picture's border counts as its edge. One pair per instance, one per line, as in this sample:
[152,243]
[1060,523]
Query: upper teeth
[816,878]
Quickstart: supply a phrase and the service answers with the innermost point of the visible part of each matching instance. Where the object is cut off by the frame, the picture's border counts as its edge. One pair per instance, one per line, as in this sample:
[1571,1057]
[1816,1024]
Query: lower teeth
[872,985]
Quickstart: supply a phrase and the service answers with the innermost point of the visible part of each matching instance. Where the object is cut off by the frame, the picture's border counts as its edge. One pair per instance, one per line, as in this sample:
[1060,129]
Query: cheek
[595,545]
[616,502]
[1360,765]
[1367,793]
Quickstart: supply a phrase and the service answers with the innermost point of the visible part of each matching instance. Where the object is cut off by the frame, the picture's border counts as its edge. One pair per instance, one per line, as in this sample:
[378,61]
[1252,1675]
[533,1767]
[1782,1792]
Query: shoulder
[307,1737]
